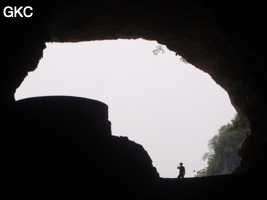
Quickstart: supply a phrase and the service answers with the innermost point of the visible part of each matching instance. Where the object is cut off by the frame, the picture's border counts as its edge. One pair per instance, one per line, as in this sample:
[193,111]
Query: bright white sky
[171,108]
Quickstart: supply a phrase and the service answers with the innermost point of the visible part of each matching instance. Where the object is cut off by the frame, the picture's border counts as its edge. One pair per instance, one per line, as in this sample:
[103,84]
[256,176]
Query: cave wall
[22,44]
[223,38]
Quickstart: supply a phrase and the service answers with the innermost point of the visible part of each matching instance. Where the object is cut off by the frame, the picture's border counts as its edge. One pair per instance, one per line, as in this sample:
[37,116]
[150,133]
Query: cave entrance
[159,101]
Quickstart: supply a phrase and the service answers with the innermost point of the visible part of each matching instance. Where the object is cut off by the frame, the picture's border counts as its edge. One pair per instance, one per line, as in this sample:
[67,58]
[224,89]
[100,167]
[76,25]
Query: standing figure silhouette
[181,170]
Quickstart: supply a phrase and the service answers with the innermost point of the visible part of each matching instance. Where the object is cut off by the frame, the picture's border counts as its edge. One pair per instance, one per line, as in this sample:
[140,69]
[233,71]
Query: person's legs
[180,176]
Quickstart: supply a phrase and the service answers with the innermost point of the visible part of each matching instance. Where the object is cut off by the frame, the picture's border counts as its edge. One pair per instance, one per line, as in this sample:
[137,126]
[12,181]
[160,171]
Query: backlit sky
[171,108]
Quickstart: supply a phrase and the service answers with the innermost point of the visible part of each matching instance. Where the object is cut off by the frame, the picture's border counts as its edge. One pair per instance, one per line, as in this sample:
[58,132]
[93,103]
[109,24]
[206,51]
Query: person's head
[181,163]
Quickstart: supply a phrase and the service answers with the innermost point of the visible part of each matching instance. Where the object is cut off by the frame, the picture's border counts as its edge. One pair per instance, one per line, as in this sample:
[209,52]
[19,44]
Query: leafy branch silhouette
[158,49]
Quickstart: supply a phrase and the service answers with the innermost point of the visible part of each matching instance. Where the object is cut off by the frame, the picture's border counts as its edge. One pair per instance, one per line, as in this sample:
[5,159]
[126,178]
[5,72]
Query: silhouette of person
[181,170]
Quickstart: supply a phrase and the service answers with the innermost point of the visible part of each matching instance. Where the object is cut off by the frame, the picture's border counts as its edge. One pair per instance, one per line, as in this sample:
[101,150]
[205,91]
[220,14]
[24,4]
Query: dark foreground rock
[235,186]
[62,147]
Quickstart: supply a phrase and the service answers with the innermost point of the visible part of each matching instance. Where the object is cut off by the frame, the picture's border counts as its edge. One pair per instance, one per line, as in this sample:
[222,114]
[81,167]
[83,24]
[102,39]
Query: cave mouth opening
[159,101]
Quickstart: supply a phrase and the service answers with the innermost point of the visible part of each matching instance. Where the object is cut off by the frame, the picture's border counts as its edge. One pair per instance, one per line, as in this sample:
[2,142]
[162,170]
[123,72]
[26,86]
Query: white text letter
[17,11]
[24,11]
[10,12]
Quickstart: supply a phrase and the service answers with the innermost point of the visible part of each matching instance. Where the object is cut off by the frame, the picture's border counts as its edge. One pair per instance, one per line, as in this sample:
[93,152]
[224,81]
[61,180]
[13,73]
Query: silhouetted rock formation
[63,147]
